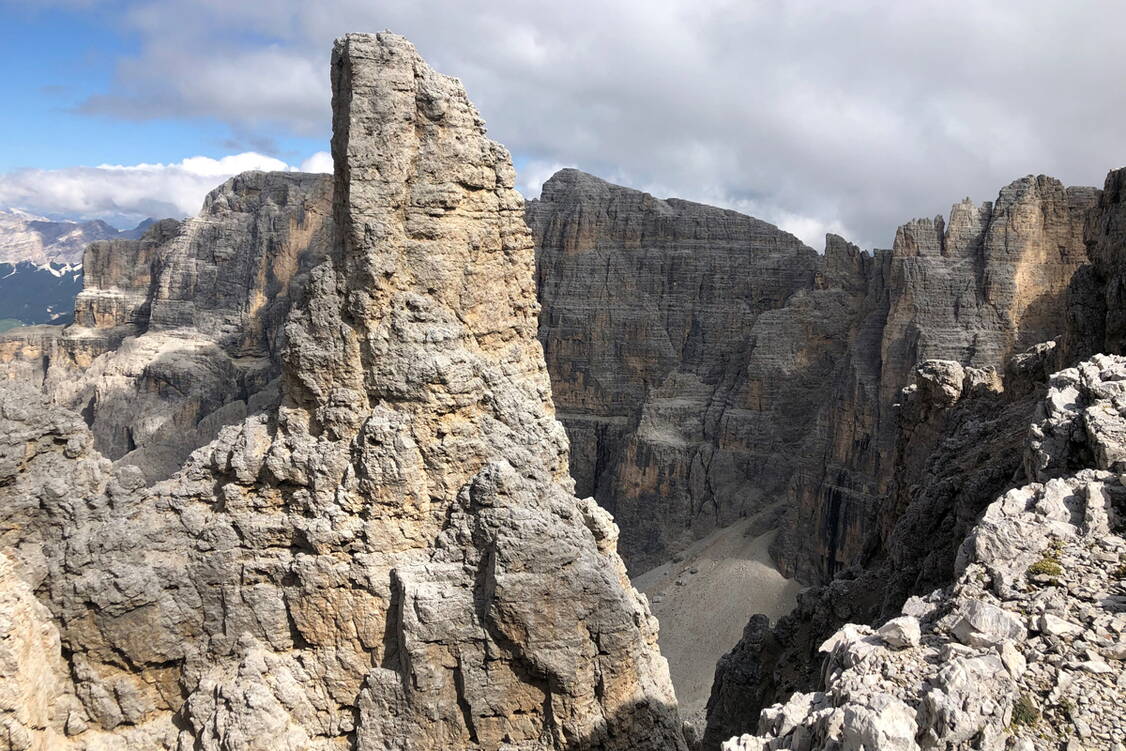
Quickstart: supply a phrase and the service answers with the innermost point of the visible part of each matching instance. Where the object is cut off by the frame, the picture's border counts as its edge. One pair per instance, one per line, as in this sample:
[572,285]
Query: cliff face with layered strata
[962,439]
[1024,649]
[708,365]
[976,290]
[389,558]
[181,332]
[656,328]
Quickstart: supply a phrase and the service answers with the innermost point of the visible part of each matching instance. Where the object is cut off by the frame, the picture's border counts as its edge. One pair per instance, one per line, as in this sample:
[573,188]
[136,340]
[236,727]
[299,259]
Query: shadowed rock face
[961,438]
[392,557]
[1022,650]
[977,289]
[707,364]
[664,365]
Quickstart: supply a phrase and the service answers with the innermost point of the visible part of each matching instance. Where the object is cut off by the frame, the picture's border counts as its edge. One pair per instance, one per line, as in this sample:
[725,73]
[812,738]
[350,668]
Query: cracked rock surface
[390,558]
[1025,649]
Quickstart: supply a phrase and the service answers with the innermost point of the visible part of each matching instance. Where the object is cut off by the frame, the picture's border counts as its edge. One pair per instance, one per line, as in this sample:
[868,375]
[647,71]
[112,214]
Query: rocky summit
[387,555]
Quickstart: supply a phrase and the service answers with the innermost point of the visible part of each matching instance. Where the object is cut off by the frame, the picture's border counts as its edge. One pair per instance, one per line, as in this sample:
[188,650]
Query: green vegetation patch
[1025,711]
[1047,566]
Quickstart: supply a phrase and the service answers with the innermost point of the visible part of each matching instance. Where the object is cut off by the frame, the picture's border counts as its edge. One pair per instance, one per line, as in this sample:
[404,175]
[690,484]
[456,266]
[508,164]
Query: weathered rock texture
[707,364]
[960,435]
[1025,649]
[393,557]
[977,289]
[181,332]
[680,380]
[961,443]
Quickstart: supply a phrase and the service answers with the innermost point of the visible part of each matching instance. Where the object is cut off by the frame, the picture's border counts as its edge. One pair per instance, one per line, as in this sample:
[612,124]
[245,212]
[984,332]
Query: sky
[846,116]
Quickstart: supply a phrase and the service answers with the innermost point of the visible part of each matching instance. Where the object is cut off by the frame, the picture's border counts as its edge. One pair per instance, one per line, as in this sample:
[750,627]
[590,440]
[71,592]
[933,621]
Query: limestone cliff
[960,433]
[392,557]
[179,333]
[688,406]
[987,284]
[680,381]
[707,364]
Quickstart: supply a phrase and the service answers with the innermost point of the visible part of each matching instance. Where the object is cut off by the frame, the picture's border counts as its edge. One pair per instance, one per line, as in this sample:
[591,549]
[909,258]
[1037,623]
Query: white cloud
[858,114]
[125,194]
[319,162]
[532,175]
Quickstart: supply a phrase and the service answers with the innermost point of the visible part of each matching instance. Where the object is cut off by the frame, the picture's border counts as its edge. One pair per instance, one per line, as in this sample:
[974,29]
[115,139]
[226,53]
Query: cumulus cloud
[319,162]
[817,114]
[126,194]
[533,174]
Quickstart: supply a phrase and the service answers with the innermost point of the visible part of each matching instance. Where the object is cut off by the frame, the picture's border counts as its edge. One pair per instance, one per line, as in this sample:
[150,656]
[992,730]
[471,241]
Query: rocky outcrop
[977,289]
[117,285]
[707,364]
[956,440]
[962,434]
[391,557]
[181,332]
[1025,649]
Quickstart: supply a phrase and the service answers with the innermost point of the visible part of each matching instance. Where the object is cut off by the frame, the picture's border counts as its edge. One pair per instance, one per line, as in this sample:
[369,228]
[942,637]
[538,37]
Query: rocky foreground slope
[387,554]
[1025,649]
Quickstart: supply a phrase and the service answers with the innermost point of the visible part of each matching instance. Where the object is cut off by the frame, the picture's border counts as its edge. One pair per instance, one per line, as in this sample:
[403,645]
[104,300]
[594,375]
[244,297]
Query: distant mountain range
[33,293]
[41,264]
[26,237]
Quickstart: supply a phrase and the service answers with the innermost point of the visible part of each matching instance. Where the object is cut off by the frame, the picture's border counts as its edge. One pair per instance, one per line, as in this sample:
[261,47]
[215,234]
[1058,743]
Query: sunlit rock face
[387,555]
[180,332]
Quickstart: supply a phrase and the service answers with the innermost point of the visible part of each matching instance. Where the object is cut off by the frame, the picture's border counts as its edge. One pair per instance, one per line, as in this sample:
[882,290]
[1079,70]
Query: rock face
[801,400]
[392,558]
[707,364]
[671,364]
[1025,649]
[962,435]
[181,332]
[959,441]
[977,289]
[30,663]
